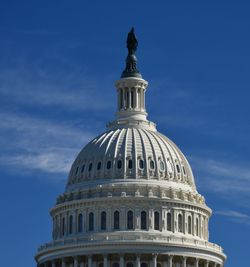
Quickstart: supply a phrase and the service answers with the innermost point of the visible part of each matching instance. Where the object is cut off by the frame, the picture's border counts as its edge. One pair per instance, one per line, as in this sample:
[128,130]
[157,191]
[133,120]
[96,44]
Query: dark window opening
[130,220]
[180,224]
[157,220]
[91,221]
[143,220]
[70,224]
[178,168]
[189,225]
[130,164]
[116,220]
[90,167]
[108,164]
[99,165]
[152,164]
[141,164]
[103,220]
[80,223]
[63,226]
[119,164]
[169,221]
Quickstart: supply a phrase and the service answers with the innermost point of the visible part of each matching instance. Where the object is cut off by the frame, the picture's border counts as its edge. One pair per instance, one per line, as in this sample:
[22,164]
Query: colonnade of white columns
[170,262]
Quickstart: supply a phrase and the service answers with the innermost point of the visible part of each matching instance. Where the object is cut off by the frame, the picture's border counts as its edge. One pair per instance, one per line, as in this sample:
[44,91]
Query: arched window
[184,171]
[144,264]
[100,264]
[119,164]
[130,164]
[108,164]
[80,223]
[70,224]
[116,220]
[91,221]
[103,220]
[77,170]
[90,167]
[115,264]
[143,220]
[189,225]
[130,220]
[169,222]
[162,166]
[180,223]
[99,165]
[158,264]
[197,226]
[178,168]
[157,220]
[141,164]
[152,164]
[130,264]
[63,226]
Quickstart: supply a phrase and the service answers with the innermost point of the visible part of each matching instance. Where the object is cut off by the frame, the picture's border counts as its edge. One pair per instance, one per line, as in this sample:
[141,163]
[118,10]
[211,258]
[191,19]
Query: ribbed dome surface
[128,154]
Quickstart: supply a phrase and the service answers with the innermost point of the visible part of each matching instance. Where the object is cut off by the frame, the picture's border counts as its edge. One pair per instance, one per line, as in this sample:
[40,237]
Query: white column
[196,262]
[82,264]
[154,260]
[121,260]
[53,263]
[105,260]
[207,263]
[75,262]
[184,262]
[90,261]
[63,263]
[138,261]
[170,261]
[138,98]
[129,98]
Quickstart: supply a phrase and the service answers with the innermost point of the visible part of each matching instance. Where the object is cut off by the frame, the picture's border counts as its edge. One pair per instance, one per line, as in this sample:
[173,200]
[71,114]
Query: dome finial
[131,61]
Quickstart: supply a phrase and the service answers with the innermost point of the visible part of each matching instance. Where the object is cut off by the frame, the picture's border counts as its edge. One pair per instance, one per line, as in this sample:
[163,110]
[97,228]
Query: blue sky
[58,64]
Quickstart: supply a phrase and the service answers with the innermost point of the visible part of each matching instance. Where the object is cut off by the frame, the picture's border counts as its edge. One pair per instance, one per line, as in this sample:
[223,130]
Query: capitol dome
[130,198]
[134,155]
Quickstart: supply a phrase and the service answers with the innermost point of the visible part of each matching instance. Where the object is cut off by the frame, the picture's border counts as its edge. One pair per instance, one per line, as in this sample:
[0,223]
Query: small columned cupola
[131,90]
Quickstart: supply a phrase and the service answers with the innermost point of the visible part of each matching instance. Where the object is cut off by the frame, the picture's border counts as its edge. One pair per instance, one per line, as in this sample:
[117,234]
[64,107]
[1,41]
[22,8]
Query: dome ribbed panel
[129,146]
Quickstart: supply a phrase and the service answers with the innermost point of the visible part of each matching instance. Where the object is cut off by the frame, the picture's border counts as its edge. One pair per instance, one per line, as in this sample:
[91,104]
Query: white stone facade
[130,200]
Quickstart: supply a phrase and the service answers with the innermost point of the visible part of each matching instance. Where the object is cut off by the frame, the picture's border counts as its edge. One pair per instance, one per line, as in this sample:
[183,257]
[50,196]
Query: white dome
[130,198]
[129,154]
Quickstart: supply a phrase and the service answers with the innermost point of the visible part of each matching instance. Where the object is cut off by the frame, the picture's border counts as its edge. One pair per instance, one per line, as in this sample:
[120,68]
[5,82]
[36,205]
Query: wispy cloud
[37,144]
[228,178]
[73,91]
[235,216]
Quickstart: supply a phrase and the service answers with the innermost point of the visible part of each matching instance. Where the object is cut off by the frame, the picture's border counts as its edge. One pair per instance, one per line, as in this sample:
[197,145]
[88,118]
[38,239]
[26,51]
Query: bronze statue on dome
[132,42]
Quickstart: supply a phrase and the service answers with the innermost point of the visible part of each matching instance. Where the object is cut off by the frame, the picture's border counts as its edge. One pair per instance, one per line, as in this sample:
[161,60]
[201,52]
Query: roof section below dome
[131,154]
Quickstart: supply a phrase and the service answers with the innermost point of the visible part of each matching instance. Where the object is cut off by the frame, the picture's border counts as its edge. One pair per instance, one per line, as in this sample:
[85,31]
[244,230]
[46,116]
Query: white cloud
[36,144]
[235,216]
[72,91]
[224,177]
